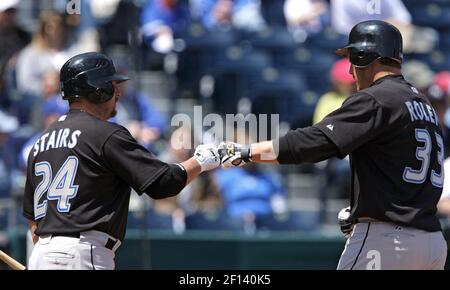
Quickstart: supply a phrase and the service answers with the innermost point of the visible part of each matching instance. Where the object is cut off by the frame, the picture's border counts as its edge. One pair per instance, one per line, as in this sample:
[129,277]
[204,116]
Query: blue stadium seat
[437,60]
[150,220]
[291,221]
[277,91]
[444,40]
[273,12]
[433,13]
[213,221]
[314,64]
[275,38]
[3,220]
[200,48]
[239,59]
[328,40]
[231,69]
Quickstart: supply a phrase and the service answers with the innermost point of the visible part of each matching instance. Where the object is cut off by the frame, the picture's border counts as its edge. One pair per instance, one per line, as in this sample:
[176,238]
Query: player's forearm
[444,207]
[33,226]
[263,152]
[193,169]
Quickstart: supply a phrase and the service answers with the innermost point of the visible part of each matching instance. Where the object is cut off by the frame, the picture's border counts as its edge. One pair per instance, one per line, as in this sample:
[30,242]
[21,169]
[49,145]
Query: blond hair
[45,19]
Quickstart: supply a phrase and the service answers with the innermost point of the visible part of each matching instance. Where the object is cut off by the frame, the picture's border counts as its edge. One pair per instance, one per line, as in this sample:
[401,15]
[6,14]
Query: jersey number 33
[418,176]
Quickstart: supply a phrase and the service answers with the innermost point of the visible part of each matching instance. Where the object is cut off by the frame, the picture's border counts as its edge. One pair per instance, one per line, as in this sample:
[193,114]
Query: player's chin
[113,113]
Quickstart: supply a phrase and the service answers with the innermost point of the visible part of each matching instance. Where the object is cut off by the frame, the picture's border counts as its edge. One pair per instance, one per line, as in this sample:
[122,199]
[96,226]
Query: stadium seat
[273,12]
[275,40]
[213,221]
[328,40]
[150,220]
[433,13]
[200,47]
[314,64]
[290,221]
[437,60]
[444,40]
[277,91]
[231,70]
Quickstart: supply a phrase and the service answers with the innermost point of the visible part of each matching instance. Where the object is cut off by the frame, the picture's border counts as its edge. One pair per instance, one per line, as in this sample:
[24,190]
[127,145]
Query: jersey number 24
[61,188]
[418,176]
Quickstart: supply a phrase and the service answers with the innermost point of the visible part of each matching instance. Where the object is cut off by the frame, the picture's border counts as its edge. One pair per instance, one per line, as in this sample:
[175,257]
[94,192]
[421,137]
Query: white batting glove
[207,156]
[233,154]
[345,223]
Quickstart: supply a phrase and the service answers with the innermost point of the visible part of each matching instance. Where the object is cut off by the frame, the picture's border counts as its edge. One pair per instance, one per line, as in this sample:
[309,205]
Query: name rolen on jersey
[79,176]
[396,153]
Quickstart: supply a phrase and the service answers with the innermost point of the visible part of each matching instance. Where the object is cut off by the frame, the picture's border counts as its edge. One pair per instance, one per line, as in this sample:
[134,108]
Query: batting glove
[345,222]
[233,154]
[207,156]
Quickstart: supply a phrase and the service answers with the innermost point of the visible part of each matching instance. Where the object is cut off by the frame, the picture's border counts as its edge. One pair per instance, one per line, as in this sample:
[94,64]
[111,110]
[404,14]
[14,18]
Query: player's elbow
[167,185]
[161,194]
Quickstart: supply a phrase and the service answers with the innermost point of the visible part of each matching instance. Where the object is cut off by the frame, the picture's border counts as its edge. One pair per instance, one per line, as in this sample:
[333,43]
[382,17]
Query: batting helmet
[371,40]
[89,75]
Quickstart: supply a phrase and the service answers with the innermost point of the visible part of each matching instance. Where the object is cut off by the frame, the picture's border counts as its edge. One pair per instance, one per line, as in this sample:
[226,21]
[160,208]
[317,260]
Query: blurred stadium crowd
[247,56]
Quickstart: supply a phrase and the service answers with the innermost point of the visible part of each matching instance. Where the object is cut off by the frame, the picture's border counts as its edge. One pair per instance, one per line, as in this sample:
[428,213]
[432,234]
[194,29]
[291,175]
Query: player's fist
[233,154]
[345,223]
[207,156]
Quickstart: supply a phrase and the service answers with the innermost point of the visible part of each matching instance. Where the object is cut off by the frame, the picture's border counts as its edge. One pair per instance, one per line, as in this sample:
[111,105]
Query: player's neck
[383,73]
[90,108]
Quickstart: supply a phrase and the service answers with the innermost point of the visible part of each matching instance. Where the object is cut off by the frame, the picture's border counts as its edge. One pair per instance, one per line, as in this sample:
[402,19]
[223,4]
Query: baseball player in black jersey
[81,171]
[392,135]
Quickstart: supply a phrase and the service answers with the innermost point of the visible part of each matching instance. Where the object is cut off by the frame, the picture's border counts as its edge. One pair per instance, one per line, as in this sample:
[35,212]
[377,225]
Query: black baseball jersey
[79,176]
[396,152]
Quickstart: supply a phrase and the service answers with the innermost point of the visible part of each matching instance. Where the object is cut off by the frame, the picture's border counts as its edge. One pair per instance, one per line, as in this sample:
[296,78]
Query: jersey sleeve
[132,162]
[304,145]
[28,198]
[360,119]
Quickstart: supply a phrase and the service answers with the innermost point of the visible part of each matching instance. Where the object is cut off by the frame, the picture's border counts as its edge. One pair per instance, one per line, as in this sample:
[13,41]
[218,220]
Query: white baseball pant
[93,250]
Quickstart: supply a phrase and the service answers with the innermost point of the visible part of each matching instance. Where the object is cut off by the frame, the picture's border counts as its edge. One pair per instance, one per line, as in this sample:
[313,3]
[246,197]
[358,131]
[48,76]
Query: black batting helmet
[89,75]
[371,40]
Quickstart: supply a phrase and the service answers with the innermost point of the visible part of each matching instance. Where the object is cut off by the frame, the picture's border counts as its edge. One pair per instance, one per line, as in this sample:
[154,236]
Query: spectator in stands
[441,91]
[13,39]
[343,86]
[145,122]
[259,192]
[53,108]
[160,20]
[444,203]
[170,209]
[138,114]
[439,95]
[337,171]
[201,194]
[418,74]
[240,14]
[116,21]
[50,91]
[49,50]
[8,124]
[346,13]
[305,17]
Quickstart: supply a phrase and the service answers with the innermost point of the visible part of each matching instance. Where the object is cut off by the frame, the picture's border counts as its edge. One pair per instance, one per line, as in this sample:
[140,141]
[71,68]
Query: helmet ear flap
[102,95]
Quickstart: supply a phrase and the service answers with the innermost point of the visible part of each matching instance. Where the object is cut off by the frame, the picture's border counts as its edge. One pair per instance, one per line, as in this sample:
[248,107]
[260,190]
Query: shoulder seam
[372,97]
[107,139]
